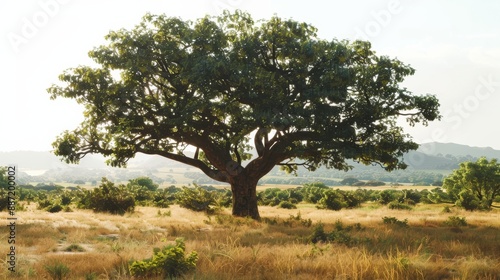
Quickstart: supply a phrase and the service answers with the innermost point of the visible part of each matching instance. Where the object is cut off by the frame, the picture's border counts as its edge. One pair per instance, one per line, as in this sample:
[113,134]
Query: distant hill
[31,160]
[458,150]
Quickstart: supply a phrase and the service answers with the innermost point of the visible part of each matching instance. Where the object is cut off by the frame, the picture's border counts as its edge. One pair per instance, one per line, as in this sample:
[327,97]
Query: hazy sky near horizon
[453,45]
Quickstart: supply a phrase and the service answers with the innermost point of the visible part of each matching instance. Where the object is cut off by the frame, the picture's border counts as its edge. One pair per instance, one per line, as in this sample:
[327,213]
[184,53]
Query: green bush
[287,205]
[44,203]
[332,200]
[339,235]
[54,208]
[170,261]
[57,271]
[313,192]
[455,221]
[197,199]
[395,221]
[108,198]
[394,205]
[387,196]
[66,198]
[468,201]
[318,234]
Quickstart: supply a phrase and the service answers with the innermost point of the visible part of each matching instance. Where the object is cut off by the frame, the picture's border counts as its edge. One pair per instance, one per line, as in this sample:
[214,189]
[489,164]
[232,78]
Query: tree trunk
[245,197]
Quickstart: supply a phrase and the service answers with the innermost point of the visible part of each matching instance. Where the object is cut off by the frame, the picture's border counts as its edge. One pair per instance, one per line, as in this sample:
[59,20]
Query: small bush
[332,200]
[167,262]
[54,208]
[446,209]
[287,205]
[66,198]
[109,198]
[455,221]
[468,201]
[57,271]
[386,196]
[74,248]
[399,206]
[44,203]
[197,199]
[395,221]
[318,234]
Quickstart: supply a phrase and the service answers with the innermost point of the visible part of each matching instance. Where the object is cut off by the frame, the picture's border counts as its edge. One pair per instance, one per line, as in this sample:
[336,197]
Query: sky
[453,45]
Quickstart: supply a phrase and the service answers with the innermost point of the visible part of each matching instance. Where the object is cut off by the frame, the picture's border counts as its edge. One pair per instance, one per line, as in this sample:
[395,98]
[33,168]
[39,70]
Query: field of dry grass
[99,246]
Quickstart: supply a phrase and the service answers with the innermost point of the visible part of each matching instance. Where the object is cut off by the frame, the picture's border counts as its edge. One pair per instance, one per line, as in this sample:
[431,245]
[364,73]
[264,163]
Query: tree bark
[244,191]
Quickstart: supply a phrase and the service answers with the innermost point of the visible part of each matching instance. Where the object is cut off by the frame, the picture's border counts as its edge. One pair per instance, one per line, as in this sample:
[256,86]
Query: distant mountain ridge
[429,156]
[458,150]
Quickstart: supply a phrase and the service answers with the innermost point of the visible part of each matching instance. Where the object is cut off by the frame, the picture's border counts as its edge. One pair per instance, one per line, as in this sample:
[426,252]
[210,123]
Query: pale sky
[453,45]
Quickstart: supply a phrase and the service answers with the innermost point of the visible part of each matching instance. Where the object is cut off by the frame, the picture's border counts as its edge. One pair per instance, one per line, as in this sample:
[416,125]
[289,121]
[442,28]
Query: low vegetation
[367,240]
[307,232]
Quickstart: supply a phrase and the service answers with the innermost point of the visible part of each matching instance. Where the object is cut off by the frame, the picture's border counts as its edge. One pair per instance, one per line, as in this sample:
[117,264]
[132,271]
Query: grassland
[278,247]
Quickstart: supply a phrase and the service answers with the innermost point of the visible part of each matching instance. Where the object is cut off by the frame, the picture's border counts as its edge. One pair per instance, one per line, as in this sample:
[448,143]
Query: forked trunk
[245,197]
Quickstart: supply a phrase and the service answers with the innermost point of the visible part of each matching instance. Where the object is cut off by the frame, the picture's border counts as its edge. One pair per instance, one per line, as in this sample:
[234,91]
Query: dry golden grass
[276,248]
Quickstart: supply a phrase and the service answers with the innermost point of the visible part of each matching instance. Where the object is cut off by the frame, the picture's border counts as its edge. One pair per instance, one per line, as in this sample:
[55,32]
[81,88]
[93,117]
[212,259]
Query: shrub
[54,208]
[318,234]
[387,196]
[468,201]
[109,198]
[332,199]
[170,261]
[313,192]
[196,199]
[66,198]
[395,221]
[399,206]
[339,235]
[44,204]
[287,205]
[455,221]
[446,209]
[74,248]
[57,271]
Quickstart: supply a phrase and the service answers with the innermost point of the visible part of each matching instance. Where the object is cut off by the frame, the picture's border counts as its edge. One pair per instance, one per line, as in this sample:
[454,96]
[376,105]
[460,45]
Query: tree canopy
[222,86]
[475,184]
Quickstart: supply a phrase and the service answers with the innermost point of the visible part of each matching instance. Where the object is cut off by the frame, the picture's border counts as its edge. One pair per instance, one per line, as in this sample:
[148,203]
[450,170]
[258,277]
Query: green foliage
[44,203]
[395,221]
[387,196]
[54,208]
[165,197]
[74,248]
[396,205]
[107,198]
[4,182]
[455,221]
[468,201]
[332,200]
[170,261]
[57,271]
[66,198]
[475,184]
[318,234]
[287,205]
[340,234]
[144,182]
[437,195]
[197,199]
[4,200]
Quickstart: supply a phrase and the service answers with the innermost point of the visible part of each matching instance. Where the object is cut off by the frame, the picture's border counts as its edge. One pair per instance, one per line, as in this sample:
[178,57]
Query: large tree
[474,185]
[220,84]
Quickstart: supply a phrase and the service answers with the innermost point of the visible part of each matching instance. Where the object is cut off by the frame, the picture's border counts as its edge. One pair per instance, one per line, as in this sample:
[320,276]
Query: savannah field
[372,242]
